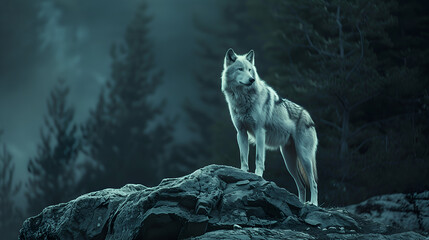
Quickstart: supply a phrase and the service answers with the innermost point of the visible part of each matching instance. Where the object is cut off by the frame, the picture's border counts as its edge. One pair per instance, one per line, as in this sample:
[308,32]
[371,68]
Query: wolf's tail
[303,175]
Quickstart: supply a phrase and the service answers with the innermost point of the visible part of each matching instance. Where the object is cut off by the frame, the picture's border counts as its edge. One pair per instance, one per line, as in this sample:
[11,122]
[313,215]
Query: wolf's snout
[251,80]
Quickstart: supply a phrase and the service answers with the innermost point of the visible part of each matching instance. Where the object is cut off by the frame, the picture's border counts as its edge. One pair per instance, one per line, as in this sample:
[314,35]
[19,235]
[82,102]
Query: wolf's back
[298,114]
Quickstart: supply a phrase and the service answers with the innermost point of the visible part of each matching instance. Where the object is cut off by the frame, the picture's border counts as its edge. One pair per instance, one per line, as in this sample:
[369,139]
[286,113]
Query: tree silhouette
[10,215]
[339,59]
[208,114]
[124,137]
[52,177]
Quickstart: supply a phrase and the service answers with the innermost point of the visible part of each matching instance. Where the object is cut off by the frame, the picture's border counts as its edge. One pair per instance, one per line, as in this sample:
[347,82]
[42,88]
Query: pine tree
[52,177]
[10,215]
[337,59]
[398,157]
[125,136]
[209,118]
[328,51]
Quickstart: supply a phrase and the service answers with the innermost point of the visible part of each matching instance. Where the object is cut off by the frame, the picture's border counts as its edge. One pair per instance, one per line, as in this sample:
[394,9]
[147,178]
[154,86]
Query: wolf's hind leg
[290,158]
[260,151]
[243,145]
[306,150]
[307,164]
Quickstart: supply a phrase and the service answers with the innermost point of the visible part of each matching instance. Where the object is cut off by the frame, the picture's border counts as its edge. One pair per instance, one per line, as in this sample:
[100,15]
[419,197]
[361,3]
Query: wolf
[263,118]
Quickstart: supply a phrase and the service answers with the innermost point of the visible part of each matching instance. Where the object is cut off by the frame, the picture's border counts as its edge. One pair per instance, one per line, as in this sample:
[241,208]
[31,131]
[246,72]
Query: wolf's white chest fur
[244,111]
[250,111]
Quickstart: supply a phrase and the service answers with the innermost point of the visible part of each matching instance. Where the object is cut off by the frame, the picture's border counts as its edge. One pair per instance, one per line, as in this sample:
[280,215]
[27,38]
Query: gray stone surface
[215,202]
[256,233]
[408,211]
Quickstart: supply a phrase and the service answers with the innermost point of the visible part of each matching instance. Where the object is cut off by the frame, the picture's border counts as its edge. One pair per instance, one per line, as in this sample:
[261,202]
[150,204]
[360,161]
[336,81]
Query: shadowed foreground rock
[215,202]
[409,211]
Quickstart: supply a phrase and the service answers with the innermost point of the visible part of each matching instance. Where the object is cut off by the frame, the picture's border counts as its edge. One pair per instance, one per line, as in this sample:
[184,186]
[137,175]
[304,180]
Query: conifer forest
[98,94]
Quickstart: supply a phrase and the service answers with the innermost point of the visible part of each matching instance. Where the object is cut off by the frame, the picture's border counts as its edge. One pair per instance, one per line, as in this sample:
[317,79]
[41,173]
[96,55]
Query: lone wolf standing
[261,116]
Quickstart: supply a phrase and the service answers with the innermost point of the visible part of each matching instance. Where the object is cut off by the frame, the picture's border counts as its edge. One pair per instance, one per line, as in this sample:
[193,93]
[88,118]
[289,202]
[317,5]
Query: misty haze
[100,94]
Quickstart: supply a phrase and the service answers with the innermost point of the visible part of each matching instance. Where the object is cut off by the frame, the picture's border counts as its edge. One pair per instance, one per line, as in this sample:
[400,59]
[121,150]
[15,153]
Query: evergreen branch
[361,53]
[330,124]
[352,135]
[353,51]
[320,51]
[342,101]
[364,100]
[310,42]
[340,33]
[364,142]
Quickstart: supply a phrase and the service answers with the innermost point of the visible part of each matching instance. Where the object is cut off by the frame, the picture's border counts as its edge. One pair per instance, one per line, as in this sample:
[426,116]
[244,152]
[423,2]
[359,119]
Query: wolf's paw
[246,169]
[259,172]
[310,203]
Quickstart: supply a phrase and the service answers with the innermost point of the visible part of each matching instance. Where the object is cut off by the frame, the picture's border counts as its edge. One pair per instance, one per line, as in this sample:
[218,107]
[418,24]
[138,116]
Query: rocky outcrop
[215,202]
[408,211]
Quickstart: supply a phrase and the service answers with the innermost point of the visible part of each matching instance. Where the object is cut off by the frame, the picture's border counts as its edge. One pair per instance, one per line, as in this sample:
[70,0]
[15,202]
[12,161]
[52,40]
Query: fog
[72,40]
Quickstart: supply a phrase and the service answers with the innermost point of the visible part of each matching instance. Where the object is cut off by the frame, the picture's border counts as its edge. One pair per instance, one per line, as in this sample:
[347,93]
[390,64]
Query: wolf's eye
[250,69]
[240,69]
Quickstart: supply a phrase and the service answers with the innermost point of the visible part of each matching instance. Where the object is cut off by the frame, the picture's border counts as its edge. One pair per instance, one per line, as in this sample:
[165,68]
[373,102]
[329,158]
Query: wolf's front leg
[243,145]
[260,151]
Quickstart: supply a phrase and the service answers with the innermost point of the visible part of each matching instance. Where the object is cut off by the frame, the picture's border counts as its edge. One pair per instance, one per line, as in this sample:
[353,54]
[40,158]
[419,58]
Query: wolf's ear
[250,56]
[230,57]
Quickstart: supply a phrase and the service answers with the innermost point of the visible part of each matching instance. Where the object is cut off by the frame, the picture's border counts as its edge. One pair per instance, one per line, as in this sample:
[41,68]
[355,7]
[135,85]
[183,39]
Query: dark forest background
[359,67]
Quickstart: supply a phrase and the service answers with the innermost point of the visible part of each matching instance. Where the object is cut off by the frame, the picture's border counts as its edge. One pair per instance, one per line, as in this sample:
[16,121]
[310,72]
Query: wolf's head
[239,70]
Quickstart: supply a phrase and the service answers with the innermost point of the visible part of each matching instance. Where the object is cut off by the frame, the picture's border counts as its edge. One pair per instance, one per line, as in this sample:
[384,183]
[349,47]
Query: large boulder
[408,211]
[215,202]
